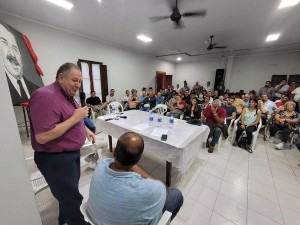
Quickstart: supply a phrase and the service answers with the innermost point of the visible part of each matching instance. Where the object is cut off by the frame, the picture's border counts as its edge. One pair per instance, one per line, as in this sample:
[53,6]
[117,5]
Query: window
[94,78]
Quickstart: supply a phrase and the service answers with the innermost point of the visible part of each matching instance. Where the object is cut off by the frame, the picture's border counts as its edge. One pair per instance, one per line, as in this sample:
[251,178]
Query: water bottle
[171,122]
[151,118]
[113,110]
[159,120]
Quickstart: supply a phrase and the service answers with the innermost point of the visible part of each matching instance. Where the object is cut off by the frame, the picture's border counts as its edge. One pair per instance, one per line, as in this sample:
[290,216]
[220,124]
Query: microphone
[123,117]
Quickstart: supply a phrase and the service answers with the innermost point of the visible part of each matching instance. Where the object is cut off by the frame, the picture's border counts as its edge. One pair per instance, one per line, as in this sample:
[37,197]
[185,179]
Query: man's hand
[80,113]
[213,110]
[243,127]
[90,135]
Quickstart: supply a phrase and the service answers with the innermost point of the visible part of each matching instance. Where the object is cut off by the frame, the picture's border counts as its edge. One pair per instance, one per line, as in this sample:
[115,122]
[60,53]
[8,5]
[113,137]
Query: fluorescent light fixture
[272,37]
[179,58]
[288,3]
[144,38]
[62,3]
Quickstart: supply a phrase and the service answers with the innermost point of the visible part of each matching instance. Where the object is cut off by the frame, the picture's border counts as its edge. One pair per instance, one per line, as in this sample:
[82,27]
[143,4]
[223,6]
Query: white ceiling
[242,25]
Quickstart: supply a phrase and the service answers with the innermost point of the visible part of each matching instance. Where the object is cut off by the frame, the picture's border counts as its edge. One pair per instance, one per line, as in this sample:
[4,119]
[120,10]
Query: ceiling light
[99,0]
[272,37]
[179,58]
[62,3]
[144,38]
[288,3]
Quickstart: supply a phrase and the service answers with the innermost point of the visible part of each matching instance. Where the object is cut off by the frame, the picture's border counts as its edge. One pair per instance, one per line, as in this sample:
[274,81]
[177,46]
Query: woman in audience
[134,100]
[193,112]
[285,120]
[250,118]
[125,100]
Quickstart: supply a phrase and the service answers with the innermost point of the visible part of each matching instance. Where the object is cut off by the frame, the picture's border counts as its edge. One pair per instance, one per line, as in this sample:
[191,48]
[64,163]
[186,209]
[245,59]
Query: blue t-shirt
[124,197]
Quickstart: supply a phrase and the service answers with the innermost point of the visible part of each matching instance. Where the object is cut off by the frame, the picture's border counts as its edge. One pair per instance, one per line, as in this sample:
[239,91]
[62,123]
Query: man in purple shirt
[57,134]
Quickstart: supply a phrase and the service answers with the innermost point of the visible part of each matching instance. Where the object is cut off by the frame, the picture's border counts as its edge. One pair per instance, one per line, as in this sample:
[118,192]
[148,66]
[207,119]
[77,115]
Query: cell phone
[164,137]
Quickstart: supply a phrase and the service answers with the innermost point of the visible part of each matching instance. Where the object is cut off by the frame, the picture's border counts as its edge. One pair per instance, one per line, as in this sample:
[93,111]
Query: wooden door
[169,80]
[160,80]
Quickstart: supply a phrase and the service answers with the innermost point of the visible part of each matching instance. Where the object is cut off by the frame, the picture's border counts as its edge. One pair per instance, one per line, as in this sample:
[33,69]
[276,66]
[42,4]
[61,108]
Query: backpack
[242,142]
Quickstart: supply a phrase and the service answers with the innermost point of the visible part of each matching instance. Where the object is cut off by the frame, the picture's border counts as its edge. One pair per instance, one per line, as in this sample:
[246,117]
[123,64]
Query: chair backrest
[160,108]
[85,213]
[38,182]
[118,107]
[164,220]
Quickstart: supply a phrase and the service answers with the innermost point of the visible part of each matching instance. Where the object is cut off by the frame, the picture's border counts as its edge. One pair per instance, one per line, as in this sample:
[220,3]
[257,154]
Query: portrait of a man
[18,64]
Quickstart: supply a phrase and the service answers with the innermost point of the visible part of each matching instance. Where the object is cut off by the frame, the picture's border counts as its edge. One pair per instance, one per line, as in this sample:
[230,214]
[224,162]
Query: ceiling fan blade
[200,13]
[154,19]
[179,25]
[220,47]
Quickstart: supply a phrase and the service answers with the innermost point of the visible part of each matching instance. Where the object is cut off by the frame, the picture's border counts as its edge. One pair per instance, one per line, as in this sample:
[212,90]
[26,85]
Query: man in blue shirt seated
[121,192]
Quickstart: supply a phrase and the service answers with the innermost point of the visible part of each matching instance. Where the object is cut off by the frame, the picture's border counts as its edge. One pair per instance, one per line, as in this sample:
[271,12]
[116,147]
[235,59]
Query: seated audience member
[226,95]
[246,99]
[193,112]
[230,110]
[197,88]
[159,98]
[186,97]
[214,116]
[121,192]
[280,102]
[285,120]
[177,89]
[205,103]
[292,87]
[125,99]
[210,95]
[296,94]
[221,99]
[134,100]
[239,105]
[227,91]
[143,95]
[280,89]
[267,89]
[95,103]
[215,95]
[111,97]
[269,107]
[148,102]
[250,118]
[252,94]
[177,109]
[208,87]
[220,88]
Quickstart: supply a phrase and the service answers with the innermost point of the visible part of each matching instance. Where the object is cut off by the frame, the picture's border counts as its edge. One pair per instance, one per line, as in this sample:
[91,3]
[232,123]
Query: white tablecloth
[183,143]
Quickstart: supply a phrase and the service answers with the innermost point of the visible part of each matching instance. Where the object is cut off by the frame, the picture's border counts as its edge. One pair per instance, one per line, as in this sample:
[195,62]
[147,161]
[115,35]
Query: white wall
[248,72]
[251,72]
[126,70]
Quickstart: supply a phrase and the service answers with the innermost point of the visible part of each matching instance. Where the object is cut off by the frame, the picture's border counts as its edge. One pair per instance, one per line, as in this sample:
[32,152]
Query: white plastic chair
[254,134]
[164,220]
[38,182]
[116,105]
[161,108]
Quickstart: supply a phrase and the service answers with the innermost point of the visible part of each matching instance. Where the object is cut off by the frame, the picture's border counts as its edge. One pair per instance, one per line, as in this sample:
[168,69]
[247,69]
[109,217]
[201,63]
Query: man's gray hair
[65,69]
[217,102]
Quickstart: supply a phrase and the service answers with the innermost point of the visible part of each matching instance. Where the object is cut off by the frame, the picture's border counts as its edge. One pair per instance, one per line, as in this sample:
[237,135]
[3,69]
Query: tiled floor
[228,187]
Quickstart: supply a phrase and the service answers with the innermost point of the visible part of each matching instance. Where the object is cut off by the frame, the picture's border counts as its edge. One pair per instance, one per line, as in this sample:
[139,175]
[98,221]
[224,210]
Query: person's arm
[243,118]
[232,116]
[90,135]
[60,128]
[218,119]
[139,170]
[292,121]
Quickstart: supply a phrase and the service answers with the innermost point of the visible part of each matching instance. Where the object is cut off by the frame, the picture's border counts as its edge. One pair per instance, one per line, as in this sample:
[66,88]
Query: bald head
[129,149]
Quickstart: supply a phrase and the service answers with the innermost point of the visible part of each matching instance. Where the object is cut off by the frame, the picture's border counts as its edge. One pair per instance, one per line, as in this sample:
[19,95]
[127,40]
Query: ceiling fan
[176,16]
[214,45]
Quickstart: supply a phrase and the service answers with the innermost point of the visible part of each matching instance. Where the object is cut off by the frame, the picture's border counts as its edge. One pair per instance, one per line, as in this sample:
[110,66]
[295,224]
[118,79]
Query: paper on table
[159,131]
[142,126]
